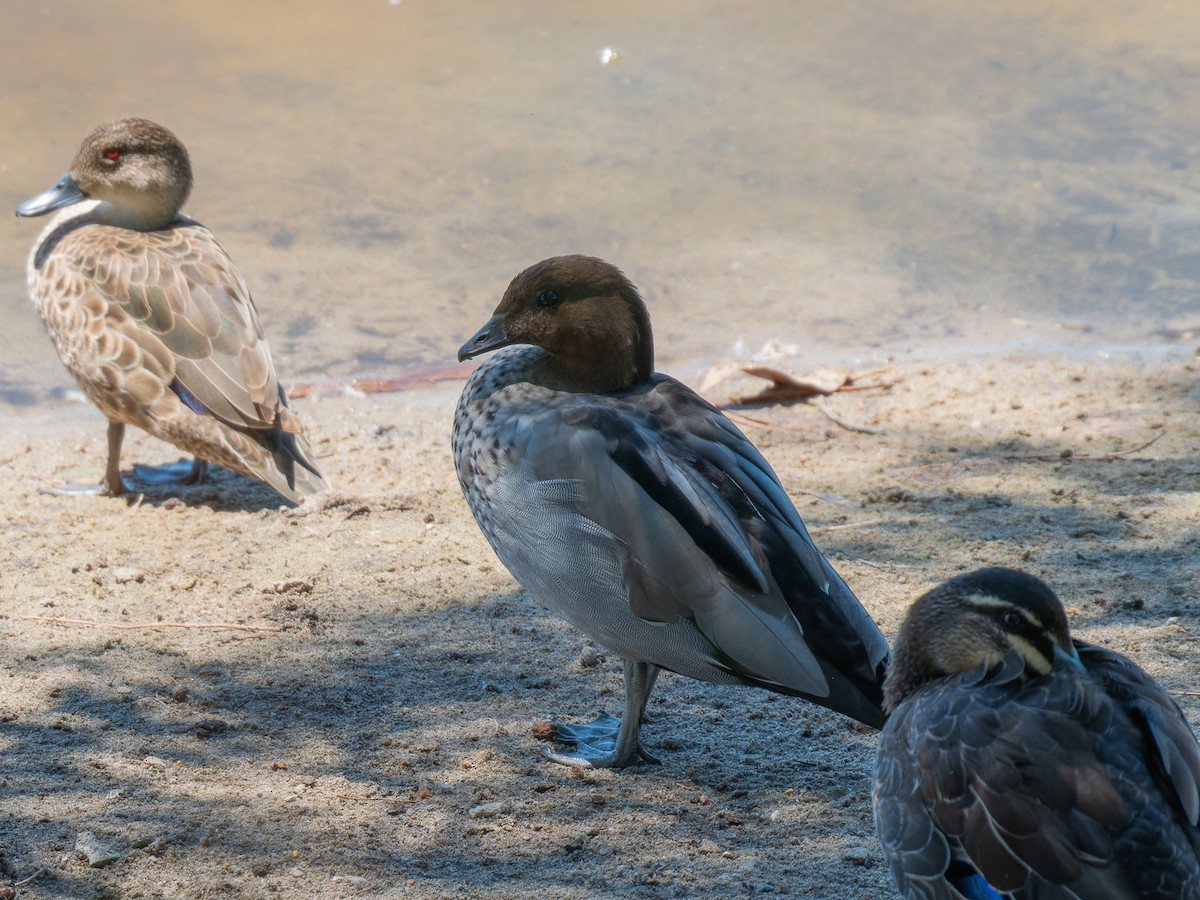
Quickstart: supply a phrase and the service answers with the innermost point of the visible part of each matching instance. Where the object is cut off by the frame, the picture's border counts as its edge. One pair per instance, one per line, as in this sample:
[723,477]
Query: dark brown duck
[638,512]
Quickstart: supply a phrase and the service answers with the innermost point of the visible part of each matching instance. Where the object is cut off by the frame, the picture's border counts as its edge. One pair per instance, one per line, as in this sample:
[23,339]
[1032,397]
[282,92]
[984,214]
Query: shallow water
[861,180]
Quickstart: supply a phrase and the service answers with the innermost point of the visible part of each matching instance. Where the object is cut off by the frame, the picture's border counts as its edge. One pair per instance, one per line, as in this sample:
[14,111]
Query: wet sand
[879,179]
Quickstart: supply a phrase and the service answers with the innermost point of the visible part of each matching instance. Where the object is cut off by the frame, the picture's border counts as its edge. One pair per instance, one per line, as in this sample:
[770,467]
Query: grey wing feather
[703,518]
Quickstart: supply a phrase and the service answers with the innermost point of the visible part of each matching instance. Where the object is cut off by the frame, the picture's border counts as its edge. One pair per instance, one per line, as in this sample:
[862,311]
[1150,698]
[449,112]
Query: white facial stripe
[989,601]
[1034,658]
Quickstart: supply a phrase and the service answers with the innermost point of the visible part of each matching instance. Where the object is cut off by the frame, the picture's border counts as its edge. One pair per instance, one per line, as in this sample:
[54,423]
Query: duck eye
[547,298]
[1013,621]
[112,154]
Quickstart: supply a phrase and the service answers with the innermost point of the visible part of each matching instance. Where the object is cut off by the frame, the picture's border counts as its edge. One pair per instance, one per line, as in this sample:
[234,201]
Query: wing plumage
[1066,785]
[709,542]
[143,318]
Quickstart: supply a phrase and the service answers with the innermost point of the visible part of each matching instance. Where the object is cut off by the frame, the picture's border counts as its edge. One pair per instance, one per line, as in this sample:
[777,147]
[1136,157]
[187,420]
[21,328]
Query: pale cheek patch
[960,655]
[1034,660]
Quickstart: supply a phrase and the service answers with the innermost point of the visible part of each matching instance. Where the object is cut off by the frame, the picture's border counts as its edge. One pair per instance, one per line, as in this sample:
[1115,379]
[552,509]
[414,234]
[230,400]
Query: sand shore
[372,736]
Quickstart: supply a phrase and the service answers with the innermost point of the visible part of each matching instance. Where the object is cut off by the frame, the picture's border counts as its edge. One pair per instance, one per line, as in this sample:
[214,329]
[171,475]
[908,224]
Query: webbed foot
[599,744]
[83,489]
[181,471]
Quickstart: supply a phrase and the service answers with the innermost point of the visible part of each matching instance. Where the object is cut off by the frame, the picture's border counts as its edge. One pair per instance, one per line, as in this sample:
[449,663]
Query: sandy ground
[375,738]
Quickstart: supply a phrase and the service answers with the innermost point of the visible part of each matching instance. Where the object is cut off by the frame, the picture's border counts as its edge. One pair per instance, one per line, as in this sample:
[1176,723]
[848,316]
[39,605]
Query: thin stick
[59,620]
[883,565]
[1103,457]
[819,403]
[378,384]
[828,498]
[369,799]
[867,524]
[25,881]
[747,420]
[744,420]
[1185,693]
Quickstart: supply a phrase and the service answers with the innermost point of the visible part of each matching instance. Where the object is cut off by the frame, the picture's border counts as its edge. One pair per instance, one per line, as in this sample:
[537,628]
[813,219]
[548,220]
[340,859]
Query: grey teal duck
[152,318]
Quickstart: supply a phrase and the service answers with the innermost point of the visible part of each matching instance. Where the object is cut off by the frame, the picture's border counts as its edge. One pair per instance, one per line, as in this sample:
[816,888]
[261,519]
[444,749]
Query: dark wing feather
[678,463]
[1012,779]
[1164,727]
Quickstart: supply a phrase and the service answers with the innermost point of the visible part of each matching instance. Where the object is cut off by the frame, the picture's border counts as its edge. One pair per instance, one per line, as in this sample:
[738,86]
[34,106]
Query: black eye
[547,298]
[1013,621]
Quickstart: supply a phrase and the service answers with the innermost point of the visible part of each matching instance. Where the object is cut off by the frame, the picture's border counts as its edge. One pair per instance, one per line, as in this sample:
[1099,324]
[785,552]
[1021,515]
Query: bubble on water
[611,56]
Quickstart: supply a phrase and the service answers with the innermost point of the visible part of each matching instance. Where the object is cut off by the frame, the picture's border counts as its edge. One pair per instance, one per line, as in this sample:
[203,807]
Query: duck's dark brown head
[976,619]
[584,313]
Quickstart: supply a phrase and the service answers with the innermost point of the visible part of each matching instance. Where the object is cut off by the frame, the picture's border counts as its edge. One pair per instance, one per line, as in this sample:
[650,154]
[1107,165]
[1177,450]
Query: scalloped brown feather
[131,311]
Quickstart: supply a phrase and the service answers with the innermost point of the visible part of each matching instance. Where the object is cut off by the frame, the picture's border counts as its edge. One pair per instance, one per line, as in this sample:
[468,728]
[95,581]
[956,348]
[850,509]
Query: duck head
[584,313]
[975,619]
[139,170]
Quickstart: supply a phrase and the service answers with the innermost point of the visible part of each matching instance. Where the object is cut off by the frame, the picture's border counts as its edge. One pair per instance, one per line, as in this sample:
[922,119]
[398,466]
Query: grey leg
[199,471]
[113,485]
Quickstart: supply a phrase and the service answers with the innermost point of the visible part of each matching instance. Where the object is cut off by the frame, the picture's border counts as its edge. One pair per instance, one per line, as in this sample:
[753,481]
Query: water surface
[863,180]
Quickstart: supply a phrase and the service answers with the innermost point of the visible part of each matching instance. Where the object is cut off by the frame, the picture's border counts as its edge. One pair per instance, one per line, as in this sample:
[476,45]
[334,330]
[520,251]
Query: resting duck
[635,510]
[152,318]
[1018,763]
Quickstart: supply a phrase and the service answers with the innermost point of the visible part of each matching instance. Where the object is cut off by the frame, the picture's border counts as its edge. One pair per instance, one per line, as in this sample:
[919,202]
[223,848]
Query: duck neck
[139,212]
[611,350]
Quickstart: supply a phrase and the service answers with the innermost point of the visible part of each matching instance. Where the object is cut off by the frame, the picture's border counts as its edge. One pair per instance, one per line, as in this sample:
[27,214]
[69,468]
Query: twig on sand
[1185,693]
[846,526]
[819,403]
[743,419]
[754,422]
[1068,455]
[370,799]
[882,565]
[378,384]
[60,620]
[9,888]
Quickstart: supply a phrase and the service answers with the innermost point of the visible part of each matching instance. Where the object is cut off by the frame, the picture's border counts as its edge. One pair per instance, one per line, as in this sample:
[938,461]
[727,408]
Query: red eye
[113,154]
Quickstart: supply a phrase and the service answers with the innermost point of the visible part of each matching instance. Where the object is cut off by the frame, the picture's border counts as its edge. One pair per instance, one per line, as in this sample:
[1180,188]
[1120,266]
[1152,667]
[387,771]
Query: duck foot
[599,744]
[181,471]
[83,489]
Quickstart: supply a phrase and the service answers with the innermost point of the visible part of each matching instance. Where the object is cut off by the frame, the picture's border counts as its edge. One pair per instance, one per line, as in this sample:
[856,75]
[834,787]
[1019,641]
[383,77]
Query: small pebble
[860,856]
[124,575]
[486,811]
[292,586]
[589,658]
[96,853]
